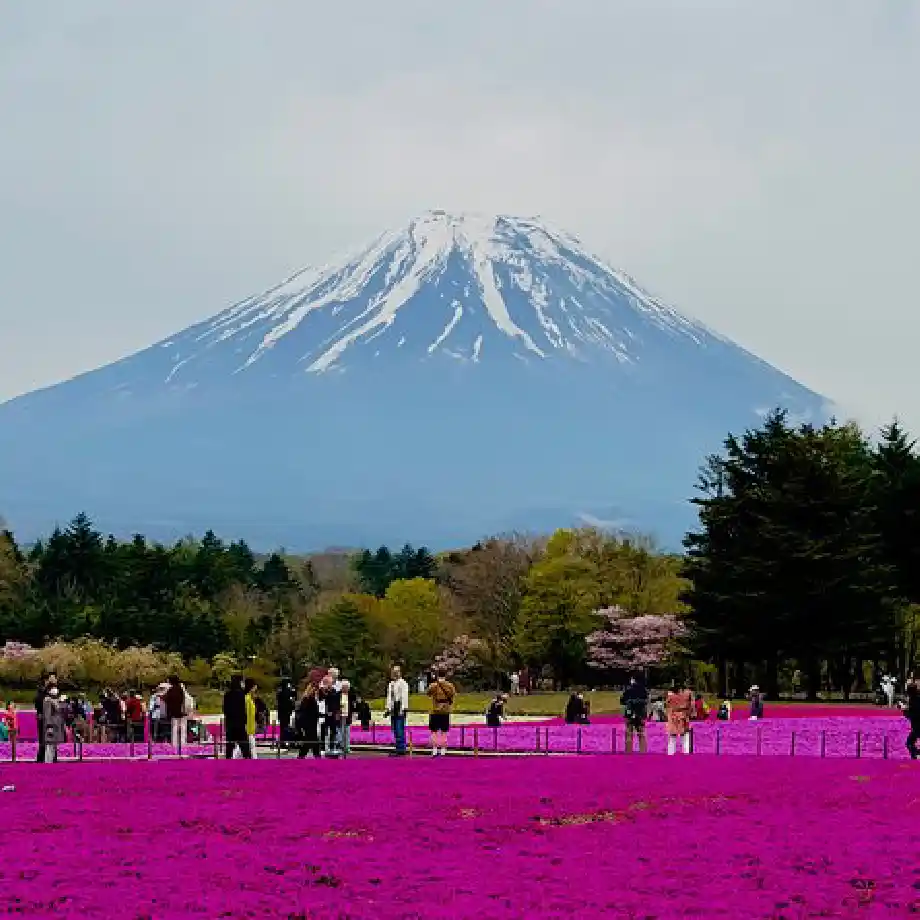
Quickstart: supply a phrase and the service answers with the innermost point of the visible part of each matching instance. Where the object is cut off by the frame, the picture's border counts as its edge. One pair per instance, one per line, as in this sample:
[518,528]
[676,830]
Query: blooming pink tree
[633,643]
[462,658]
[16,651]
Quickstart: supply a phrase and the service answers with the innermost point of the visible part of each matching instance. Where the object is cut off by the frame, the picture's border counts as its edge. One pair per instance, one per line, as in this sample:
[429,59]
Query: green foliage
[377,571]
[789,561]
[348,634]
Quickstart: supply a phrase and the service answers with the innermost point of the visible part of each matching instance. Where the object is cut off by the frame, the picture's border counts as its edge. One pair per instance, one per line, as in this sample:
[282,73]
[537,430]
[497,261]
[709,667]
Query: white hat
[755,687]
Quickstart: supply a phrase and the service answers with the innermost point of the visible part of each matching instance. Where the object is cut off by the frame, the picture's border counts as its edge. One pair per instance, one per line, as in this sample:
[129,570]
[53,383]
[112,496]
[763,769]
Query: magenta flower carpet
[559,837]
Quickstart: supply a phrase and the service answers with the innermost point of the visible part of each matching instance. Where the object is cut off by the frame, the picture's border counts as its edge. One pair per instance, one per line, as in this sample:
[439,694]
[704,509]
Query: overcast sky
[756,164]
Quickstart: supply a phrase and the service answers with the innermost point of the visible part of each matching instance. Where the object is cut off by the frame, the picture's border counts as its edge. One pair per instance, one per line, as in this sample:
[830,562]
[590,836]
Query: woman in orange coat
[679,706]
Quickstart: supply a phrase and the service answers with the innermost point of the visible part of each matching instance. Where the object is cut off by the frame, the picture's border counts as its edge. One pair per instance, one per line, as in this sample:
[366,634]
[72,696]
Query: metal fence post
[759,740]
[885,747]
[792,746]
[150,746]
[823,742]
[692,742]
[13,735]
[536,748]
[373,732]
[80,750]
[718,741]
[463,736]
[858,744]
[578,741]
[494,737]
[475,741]
[613,739]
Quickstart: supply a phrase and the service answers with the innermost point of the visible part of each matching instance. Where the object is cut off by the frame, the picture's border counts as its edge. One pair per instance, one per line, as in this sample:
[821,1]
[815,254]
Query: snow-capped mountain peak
[461,286]
[459,376]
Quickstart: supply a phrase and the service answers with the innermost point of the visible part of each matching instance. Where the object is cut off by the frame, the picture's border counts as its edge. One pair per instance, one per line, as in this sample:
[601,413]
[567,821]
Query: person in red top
[134,714]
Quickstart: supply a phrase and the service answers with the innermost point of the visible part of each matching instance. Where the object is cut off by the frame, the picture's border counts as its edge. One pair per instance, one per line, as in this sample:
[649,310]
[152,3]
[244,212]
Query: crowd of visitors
[115,718]
[318,722]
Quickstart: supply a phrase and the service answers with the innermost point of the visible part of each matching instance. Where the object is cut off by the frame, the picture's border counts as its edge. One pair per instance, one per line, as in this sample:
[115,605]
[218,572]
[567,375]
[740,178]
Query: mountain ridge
[488,363]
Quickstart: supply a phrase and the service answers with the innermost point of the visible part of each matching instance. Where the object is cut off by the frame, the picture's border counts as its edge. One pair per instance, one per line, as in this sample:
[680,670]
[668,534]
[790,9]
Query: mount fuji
[460,376]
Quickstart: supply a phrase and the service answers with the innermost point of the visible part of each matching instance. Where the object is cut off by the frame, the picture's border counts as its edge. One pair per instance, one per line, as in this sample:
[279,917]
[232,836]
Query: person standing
[912,713]
[679,705]
[442,693]
[888,688]
[285,703]
[53,722]
[49,681]
[346,713]
[251,690]
[756,698]
[397,709]
[496,711]
[306,721]
[174,700]
[635,710]
[235,719]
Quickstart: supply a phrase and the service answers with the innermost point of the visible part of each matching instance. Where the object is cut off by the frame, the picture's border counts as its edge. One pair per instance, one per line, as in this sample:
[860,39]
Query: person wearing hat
[756,698]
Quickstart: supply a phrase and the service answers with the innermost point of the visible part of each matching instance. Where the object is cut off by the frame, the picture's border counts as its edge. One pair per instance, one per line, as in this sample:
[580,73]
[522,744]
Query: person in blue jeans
[397,708]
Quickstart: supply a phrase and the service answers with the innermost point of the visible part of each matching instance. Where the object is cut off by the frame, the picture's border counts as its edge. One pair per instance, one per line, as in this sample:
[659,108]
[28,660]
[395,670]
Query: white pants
[685,743]
[252,746]
[50,753]
[179,732]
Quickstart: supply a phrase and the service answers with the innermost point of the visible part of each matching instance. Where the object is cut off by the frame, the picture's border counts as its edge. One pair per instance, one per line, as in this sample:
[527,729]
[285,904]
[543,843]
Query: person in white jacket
[397,708]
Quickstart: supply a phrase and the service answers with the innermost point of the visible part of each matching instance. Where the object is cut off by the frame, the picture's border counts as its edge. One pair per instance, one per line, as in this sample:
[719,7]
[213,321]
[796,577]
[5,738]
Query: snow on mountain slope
[483,285]
[461,375]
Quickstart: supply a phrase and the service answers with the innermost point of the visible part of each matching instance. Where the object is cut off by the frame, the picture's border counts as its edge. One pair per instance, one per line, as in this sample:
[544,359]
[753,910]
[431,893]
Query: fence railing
[762,739]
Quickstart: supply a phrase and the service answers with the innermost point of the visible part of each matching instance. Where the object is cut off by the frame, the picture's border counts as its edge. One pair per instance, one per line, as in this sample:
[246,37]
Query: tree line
[803,572]
[508,601]
[805,567]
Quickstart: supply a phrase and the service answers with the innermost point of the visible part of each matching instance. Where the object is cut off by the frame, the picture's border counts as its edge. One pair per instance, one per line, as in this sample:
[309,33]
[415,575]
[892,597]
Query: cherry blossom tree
[634,643]
[463,658]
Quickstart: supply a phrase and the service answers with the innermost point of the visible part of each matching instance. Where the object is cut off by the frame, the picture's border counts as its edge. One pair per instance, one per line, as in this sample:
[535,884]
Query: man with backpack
[442,693]
[635,710]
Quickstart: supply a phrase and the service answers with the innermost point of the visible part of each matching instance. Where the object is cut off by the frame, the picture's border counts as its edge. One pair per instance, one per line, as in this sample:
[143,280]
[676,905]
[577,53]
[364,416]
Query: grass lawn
[603,702]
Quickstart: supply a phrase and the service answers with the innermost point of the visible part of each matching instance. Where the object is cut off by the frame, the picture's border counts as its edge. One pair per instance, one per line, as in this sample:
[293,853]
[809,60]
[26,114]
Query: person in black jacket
[496,711]
[285,703]
[635,710]
[307,723]
[235,719]
[363,712]
[912,712]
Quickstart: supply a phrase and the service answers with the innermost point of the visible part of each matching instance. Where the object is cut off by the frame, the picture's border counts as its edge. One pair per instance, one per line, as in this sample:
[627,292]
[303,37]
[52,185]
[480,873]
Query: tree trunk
[722,679]
[771,683]
[813,678]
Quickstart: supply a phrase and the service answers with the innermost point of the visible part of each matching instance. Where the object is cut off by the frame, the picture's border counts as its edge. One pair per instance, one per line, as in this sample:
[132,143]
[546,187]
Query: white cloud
[756,164]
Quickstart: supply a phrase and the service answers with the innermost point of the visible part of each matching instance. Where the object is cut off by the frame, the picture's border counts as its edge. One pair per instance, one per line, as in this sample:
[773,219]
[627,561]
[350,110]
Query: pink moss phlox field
[651,837]
[840,737]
